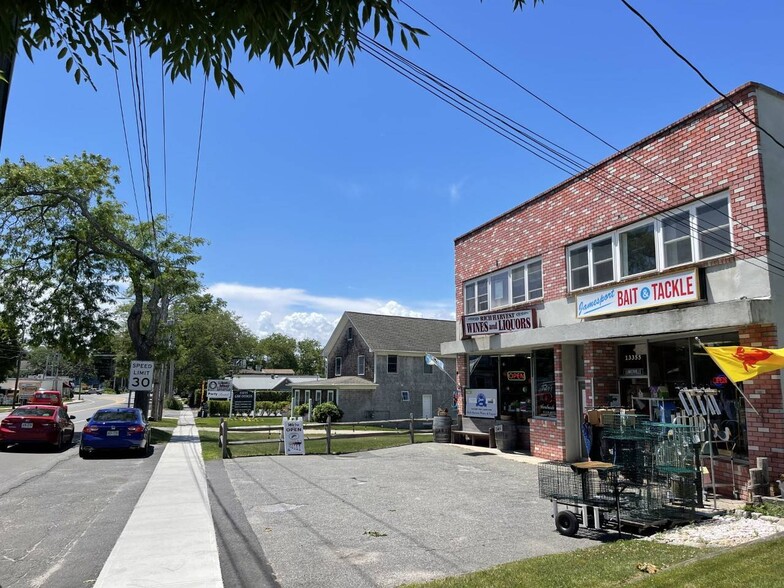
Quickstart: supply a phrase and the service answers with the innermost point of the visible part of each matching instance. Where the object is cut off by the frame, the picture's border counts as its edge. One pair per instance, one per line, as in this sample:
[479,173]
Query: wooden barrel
[442,429]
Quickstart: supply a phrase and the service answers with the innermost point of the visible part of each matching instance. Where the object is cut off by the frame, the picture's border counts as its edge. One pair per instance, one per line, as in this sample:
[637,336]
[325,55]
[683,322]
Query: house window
[330,396]
[392,364]
[307,397]
[428,367]
[338,366]
[405,396]
[696,232]
[318,396]
[350,334]
[361,365]
[676,239]
[638,250]
[510,286]
[296,398]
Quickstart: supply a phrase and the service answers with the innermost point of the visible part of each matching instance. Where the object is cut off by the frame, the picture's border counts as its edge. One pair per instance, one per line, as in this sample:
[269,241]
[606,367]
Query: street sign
[219,389]
[140,379]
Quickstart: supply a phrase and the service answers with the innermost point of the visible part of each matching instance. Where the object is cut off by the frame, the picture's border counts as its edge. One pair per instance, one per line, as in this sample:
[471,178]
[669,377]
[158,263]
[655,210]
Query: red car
[47,398]
[37,424]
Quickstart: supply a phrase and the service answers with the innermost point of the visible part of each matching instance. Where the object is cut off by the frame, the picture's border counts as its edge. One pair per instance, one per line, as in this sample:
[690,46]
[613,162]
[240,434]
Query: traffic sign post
[141,380]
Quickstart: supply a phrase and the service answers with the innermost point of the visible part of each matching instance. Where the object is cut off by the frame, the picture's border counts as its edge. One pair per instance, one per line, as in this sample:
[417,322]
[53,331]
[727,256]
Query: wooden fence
[329,432]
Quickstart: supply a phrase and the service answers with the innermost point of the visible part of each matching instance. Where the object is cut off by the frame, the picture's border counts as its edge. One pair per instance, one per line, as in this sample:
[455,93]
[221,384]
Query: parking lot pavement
[393,516]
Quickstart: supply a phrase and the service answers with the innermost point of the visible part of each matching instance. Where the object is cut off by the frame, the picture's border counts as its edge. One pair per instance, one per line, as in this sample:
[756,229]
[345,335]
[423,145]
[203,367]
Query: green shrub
[173,403]
[219,407]
[326,409]
[301,410]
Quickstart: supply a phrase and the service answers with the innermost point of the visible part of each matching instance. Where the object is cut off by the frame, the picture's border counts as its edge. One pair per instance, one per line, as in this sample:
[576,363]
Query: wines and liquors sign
[497,322]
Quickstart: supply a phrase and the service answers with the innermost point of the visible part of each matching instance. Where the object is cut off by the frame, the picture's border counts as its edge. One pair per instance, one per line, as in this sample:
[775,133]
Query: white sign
[219,389]
[660,291]
[482,402]
[140,379]
[497,322]
[293,436]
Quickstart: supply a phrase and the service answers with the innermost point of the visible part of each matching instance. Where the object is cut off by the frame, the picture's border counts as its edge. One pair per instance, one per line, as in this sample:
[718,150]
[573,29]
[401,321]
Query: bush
[219,407]
[173,403]
[327,409]
[301,410]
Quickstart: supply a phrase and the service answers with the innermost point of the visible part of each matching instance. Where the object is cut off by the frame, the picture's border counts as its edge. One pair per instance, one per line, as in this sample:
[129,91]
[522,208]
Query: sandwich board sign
[293,436]
[140,379]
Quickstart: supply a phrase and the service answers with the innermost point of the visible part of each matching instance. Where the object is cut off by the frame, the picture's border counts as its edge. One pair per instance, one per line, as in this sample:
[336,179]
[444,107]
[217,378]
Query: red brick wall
[601,359]
[548,436]
[765,431]
[705,153]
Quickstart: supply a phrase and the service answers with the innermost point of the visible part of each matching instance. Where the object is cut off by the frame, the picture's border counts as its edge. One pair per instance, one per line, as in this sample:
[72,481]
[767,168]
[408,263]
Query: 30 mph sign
[141,376]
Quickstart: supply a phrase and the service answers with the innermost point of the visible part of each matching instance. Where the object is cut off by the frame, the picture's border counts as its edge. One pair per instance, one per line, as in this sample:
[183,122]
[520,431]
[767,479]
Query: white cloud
[299,314]
[455,191]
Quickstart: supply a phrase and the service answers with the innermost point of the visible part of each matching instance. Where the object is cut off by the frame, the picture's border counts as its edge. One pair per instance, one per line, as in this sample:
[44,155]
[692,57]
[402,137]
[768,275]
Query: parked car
[37,424]
[115,428]
[47,398]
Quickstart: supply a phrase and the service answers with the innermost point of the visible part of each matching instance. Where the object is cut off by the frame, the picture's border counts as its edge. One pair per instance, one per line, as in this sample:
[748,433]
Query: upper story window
[392,364]
[699,231]
[428,369]
[361,365]
[503,288]
[338,366]
[350,334]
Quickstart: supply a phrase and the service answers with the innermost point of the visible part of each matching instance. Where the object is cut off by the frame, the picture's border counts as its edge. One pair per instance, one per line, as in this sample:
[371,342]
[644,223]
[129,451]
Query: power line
[625,155]
[425,79]
[698,72]
[125,136]
[198,153]
[165,174]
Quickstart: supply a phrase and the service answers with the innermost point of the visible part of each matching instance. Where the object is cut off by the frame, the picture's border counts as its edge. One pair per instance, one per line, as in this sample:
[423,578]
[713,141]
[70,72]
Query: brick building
[594,292]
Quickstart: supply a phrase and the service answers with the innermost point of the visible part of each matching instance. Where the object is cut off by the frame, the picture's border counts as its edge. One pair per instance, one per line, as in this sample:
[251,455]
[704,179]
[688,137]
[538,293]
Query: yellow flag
[744,363]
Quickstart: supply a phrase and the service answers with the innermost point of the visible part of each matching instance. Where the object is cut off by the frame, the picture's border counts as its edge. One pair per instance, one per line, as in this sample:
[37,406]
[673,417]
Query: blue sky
[326,192]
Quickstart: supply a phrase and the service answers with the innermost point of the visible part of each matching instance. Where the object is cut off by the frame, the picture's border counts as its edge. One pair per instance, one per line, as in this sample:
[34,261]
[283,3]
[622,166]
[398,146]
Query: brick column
[548,436]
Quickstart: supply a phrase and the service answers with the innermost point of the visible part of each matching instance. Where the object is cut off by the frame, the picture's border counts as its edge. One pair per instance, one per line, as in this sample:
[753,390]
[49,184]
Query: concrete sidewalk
[169,539]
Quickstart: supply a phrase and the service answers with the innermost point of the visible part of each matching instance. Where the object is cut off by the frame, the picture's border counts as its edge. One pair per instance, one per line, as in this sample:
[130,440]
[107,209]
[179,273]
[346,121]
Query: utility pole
[16,385]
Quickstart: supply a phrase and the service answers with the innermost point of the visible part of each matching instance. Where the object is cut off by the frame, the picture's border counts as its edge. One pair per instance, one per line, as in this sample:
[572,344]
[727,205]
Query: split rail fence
[386,427]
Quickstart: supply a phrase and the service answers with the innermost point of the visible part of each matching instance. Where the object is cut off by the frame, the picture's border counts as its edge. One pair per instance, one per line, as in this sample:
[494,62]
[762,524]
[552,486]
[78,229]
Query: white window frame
[331,396]
[659,243]
[361,365]
[338,366]
[405,395]
[318,396]
[350,334]
[499,282]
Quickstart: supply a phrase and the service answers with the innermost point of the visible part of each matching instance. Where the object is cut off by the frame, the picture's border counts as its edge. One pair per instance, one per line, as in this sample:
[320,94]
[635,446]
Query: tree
[198,33]
[309,360]
[10,348]
[279,351]
[207,338]
[65,246]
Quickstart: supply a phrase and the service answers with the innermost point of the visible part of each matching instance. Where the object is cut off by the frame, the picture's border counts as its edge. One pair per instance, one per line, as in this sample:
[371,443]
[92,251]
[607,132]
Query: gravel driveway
[393,516]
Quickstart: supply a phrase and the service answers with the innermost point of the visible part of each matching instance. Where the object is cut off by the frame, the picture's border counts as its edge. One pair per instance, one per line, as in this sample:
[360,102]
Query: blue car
[115,428]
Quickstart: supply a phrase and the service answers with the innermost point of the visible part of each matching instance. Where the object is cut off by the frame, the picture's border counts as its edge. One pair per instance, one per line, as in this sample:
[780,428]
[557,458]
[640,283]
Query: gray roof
[402,333]
[341,382]
[266,382]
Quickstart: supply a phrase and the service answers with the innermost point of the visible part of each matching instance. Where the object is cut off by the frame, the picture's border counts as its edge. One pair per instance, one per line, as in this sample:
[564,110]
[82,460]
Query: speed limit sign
[141,376]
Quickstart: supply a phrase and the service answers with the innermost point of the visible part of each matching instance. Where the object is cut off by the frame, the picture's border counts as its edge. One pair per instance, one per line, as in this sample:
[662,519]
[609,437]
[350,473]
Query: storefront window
[544,383]
[731,423]
[483,371]
[516,387]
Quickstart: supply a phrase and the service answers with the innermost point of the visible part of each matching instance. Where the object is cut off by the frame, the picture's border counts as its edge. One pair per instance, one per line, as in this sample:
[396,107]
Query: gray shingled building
[376,368]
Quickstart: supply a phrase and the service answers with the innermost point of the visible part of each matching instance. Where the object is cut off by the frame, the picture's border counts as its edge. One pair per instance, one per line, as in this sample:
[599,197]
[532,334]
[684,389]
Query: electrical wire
[125,136]
[625,155]
[698,72]
[198,153]
[425,80]
[163,122]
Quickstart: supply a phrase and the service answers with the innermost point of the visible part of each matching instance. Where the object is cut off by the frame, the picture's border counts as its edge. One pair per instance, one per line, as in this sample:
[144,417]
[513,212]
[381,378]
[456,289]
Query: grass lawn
[211,450]
[166,423]
[616,564]
[158,436]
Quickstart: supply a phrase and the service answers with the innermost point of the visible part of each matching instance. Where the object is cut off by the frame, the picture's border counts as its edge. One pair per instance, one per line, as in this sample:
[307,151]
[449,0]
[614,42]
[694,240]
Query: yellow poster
[744,363]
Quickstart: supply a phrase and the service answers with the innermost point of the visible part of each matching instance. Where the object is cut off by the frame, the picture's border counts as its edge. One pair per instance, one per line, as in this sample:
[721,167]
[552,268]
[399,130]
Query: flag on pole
[744,363]
[433,360]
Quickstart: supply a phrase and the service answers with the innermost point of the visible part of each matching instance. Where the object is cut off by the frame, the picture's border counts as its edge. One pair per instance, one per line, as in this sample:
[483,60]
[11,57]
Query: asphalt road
[387,517]
[60,515]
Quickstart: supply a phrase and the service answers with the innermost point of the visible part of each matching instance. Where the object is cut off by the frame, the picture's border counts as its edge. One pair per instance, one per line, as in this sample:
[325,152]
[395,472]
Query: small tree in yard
[326,409]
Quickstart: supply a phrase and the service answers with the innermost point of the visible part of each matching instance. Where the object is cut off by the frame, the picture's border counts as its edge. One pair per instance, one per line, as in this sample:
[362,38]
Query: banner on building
[497,322]
[660,291]
[482,403]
